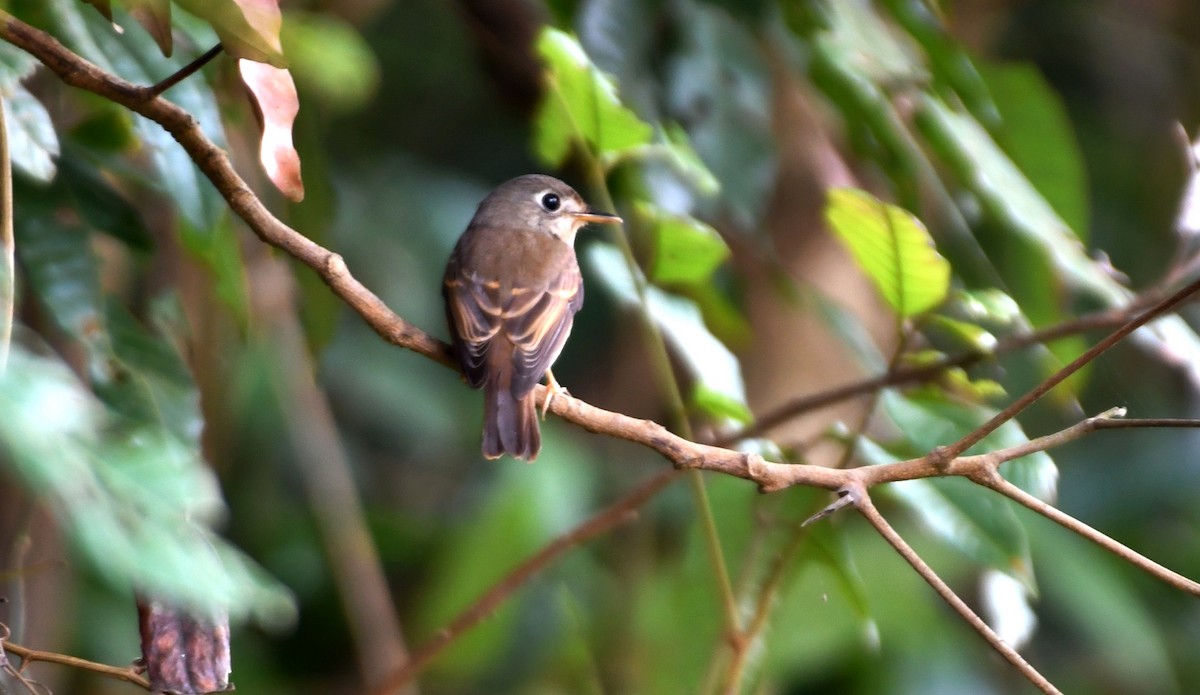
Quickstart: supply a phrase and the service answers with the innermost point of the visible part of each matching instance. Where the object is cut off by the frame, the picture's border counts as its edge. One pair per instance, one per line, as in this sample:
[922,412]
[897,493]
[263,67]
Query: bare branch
[29,656]
[862,501]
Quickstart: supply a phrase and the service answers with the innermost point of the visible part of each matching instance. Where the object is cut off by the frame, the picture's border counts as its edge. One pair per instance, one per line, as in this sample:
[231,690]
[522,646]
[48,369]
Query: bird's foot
[553,388]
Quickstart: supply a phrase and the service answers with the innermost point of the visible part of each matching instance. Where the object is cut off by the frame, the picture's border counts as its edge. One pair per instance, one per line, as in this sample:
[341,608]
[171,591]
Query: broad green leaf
[1009,197]
[928,422]
[134,500]
[32,140]
[580,105]
[989,305]
[249,29]
[1038,136]
[331,62]
[977,522]
[716,372]
[892,247]
[686,251]
[135,57]
[55,250]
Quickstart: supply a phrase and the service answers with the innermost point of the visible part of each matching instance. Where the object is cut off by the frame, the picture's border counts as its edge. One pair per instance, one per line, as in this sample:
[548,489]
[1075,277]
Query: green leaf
[135,501]
[32,141]
[1009,197]
[686,251]
[134,56]
[104,208]
[331,62]
[892,247]
[248,29]
[968,335]
[928,422]
[1038,136]
[716,372]
[580,105]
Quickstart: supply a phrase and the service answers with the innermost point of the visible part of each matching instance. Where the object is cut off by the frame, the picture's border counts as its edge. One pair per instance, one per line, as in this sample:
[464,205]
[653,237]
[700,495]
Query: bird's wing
[538,321]
[473,309]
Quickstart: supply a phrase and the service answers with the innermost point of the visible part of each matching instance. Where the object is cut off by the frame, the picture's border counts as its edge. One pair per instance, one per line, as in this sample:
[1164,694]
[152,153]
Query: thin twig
[184,72]
[1107,318]
[620,512]
[1070,523]
[1169,304]
[867,508]
[29,656]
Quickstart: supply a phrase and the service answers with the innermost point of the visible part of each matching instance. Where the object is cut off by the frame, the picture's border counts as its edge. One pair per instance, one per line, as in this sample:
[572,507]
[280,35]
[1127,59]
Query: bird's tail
[510,425]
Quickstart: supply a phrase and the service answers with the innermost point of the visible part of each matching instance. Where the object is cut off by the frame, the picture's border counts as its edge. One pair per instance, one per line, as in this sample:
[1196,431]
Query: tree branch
[862,502]
[28,656]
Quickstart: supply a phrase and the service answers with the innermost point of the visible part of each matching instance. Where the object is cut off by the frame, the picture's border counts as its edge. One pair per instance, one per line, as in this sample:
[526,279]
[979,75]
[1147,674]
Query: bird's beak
[597,217]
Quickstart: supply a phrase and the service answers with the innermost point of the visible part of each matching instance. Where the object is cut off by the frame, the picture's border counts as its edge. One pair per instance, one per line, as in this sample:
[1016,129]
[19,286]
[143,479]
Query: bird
[511,288]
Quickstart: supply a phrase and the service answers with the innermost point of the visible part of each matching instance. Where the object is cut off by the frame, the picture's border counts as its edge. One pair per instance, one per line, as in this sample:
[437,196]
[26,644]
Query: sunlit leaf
[249,29]
[275,95]
[893,249]
[968,335]
[714,369]
[685,250]
[580,105]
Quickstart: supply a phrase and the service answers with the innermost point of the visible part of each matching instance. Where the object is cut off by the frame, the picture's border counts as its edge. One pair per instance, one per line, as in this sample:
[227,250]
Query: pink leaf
[275,96]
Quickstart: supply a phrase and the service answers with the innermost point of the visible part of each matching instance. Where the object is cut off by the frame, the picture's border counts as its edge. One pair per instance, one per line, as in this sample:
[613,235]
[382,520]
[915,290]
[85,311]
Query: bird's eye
[551,202]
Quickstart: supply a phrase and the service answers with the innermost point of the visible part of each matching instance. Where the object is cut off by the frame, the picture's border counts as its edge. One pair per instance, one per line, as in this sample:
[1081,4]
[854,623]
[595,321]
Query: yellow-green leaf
[580,105]
[892,247]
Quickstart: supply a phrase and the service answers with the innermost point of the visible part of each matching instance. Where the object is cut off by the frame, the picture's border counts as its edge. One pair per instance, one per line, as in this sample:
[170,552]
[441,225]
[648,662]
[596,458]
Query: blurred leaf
[892,247]
[710,364]
[133,56]
[718,84]
[686,251]
[977,522]
[526,507]
[860,39]
[966,335]
[949,59]
[928,422]
[219,250]
[54,249]
[155,18]
[104,7]
[330,60]
[1010,198]
[277,103]
[102,206]
[105,128]
[580,104]
[988,305]
[1005,603]
[249,29]
[32,141]
[135,501]
[1038,136]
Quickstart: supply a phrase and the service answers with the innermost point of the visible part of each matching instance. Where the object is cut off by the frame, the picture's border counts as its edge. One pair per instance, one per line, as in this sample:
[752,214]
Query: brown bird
[512,287]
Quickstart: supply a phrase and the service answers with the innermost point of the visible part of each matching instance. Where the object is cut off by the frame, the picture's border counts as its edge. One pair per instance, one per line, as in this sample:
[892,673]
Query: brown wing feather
[473,313]
[538,327]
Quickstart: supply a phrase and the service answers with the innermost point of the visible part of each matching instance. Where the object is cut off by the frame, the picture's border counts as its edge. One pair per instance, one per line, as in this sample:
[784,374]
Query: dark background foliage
[410,112]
